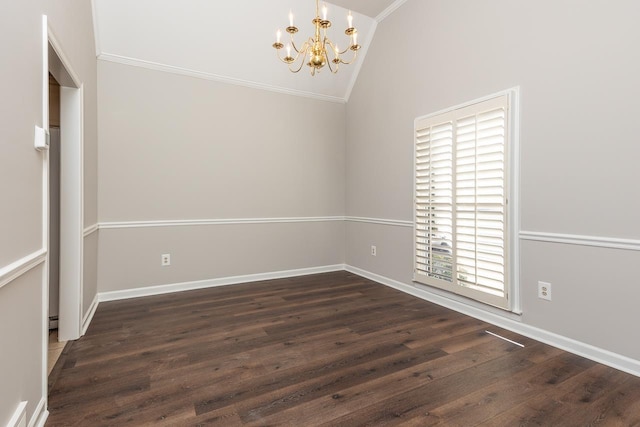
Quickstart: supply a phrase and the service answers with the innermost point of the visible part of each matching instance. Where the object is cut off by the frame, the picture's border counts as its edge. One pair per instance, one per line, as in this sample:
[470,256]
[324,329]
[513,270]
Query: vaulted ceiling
[231,41]
[371,8]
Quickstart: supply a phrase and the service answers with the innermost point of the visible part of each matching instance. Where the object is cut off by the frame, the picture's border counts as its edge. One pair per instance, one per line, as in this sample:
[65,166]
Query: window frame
[511,300]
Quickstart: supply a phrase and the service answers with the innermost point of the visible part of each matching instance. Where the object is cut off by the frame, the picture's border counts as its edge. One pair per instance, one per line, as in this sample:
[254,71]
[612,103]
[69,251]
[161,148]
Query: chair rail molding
[380,221]
[219,221]
[21,266]
[90,230]
[582,240]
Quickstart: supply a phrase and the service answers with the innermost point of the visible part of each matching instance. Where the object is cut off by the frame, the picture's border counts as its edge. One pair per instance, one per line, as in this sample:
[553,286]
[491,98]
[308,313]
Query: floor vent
[506,339]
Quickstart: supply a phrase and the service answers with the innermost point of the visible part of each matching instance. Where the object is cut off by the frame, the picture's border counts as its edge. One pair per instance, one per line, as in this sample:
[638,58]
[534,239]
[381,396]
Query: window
[462,212]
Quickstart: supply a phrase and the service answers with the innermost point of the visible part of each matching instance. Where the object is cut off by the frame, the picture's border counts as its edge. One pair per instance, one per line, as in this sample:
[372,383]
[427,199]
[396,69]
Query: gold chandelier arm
[336,53]
[355,55]
[327,46]
[302,53]
[327,41]
[303,48]
[279,56]
[293,44]
[336,63]
[296,70]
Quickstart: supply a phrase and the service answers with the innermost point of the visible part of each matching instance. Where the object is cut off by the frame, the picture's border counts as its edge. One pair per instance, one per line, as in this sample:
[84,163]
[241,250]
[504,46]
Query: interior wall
[579,92]
[78,43]
[21,330]
[178,148]
[22,294]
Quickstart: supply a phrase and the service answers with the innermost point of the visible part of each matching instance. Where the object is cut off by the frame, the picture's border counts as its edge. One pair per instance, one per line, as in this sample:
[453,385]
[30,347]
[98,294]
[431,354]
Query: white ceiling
[231,41]
[371,8]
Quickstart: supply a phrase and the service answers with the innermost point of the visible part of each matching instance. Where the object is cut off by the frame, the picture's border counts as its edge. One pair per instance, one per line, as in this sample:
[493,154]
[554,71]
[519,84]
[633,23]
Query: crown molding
[389,10]
[134,62]
[96,31]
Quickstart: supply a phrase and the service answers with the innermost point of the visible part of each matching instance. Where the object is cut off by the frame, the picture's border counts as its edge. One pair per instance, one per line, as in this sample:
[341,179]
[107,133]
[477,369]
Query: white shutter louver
[460,201]
[434,201]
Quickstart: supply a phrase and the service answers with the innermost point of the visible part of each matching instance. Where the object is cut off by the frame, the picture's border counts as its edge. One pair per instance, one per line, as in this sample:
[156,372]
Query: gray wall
[179,148]
[578,73]
[21,300]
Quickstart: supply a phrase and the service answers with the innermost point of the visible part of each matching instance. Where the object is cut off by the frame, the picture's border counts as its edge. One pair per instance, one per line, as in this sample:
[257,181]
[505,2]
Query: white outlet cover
[544,290]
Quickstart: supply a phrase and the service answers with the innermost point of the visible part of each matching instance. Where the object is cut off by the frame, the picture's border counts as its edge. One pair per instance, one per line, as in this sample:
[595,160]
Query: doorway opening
[62,199]
[55,345]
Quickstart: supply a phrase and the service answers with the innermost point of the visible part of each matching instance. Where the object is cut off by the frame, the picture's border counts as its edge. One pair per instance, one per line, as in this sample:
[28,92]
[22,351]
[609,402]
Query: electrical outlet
[374,251]
[544,290]
[166,260]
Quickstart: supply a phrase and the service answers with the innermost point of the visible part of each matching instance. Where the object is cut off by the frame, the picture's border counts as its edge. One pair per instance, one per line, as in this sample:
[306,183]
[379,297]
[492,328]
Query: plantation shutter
[460,201]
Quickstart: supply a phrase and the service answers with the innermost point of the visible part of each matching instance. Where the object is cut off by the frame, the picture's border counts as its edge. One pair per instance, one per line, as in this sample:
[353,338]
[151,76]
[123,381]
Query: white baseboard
[589,351]
[210,283]
[504,320]
[40,415]
[86,320]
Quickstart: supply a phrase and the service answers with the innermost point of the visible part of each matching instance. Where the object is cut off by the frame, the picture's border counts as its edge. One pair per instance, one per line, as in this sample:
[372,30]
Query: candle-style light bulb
[336,50]
[290,18]
[350,19]
[324,11]
[278,36]
[288,51]
[355,39]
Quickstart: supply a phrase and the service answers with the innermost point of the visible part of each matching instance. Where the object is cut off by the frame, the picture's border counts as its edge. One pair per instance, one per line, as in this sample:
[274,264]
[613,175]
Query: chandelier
[315,50]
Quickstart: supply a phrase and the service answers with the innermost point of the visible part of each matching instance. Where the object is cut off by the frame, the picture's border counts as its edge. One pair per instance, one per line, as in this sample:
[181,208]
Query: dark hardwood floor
[325,350]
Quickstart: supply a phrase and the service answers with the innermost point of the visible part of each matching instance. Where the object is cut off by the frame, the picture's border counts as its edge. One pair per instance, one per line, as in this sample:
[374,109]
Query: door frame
[71,192]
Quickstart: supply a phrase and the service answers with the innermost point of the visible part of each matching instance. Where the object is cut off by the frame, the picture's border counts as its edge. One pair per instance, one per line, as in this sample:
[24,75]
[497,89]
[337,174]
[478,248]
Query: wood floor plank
[503,395]
[330,349]
[332,383]
[426,396]
[283,379]
[560,405]
[348,400]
